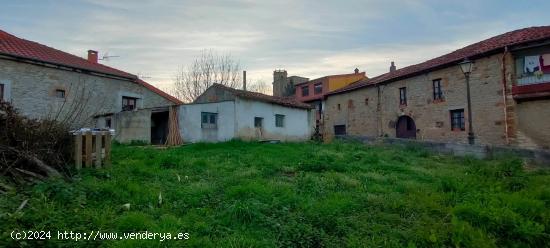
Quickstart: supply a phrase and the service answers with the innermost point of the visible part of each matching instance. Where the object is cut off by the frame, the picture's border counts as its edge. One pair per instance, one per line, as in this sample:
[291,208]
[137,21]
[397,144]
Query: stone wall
[540,157]
[498,119]
[374,110]
[533,124]
[32,92]
[527,121]
[280,82]
[283,85]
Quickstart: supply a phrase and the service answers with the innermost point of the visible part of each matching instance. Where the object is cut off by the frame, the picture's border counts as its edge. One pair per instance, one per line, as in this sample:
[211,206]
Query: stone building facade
[33,91]
[283,85]
[42,82]
[509,107]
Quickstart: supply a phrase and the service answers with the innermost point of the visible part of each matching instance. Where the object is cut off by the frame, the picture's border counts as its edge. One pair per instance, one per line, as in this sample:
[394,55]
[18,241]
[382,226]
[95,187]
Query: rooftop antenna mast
[142,76]
[106,56]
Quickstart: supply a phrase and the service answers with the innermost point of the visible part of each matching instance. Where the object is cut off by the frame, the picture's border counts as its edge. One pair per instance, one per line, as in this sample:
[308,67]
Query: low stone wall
[460,149]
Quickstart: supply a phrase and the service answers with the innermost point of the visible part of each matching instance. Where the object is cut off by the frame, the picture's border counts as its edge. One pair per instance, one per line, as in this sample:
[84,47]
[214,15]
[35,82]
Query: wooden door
[405,128]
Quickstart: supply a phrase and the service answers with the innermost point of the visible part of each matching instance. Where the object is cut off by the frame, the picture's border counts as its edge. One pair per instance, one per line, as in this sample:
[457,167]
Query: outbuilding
[222,113]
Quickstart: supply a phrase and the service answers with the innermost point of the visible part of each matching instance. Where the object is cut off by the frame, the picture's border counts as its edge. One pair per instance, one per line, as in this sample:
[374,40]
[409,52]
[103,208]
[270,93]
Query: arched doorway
[405,128]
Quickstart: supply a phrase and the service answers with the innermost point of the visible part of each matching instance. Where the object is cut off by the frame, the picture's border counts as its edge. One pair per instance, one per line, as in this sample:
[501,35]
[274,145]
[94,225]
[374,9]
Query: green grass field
[239,194]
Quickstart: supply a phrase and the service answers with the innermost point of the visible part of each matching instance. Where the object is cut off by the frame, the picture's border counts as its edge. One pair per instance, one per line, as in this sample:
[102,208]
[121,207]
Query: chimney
[392,67]
[244,80]
[356,71]
[92,56]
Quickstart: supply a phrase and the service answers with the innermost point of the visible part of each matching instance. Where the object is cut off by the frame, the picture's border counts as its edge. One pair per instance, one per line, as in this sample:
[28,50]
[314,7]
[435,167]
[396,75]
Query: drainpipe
[378,109]
[504,93]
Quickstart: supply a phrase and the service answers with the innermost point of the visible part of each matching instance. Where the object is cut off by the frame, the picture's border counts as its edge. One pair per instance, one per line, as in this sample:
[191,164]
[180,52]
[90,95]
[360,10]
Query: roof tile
[512,38]
[284,101]
[11,45]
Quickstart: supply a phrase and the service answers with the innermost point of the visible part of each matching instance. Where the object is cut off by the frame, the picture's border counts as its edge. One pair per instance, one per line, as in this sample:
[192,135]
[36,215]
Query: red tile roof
[13,46]
[491,45]
[159,91]
[284,101]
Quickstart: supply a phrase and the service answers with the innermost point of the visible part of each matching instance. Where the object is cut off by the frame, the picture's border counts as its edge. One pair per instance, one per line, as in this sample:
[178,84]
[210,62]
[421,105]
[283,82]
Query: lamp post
[466,67]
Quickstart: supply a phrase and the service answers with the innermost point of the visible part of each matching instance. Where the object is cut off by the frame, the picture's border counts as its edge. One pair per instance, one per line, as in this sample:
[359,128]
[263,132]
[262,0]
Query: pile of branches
[31,149]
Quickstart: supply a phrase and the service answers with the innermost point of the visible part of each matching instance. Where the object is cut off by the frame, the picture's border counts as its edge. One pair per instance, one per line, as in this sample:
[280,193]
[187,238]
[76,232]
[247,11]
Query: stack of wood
[174,137]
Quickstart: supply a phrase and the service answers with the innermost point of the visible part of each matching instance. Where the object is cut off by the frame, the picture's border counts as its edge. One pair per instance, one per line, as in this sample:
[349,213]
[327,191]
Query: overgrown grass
[239,194]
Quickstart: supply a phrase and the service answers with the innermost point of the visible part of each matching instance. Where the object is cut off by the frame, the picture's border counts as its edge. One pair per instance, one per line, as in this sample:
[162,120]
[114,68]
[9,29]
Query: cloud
[309,38]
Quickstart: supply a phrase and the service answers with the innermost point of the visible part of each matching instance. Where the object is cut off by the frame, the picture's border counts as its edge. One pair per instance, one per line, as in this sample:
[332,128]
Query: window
[1,92]
[129,103]
[279,120]
[403,96]
[339,129]
[338,106]
[366,101]
[108,122]
[318,88]
[60,93]
[438,93]
[258,121]
[457,120]
[209,120]
[305,90]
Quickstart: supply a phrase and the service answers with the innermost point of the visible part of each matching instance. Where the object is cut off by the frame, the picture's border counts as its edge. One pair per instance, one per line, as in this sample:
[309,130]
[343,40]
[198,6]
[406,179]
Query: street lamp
[466,67]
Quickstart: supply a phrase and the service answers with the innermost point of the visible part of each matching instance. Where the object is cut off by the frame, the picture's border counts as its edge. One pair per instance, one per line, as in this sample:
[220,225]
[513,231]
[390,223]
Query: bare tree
[80,103]
[260,86]
[208,69]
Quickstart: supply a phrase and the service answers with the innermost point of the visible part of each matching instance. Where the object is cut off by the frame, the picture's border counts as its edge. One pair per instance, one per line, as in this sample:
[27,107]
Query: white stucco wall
[132,126]
[190,122]
[236,120]
[297,126]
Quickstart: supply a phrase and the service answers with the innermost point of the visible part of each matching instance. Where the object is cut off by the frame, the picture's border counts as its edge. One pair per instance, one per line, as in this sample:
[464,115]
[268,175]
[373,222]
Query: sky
[310,38]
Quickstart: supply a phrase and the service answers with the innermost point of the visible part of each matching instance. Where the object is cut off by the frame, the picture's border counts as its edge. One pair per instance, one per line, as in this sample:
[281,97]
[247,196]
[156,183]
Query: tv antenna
[106,56]
[142,76]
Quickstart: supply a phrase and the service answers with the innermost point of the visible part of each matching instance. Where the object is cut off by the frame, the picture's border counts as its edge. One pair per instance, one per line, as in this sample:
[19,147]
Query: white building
[222,113]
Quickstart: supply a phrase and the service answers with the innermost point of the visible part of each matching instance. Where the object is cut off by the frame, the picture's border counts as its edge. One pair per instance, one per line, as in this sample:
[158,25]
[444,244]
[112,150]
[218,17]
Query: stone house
[43,82]
[510,96]
[222,113]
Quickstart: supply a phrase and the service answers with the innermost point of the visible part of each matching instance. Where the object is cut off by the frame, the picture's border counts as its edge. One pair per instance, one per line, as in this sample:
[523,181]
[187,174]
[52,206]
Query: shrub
[32,149]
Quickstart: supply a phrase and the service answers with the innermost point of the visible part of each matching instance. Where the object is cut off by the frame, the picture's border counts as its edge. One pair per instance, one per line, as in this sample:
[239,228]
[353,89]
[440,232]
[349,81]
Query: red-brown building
[314,91]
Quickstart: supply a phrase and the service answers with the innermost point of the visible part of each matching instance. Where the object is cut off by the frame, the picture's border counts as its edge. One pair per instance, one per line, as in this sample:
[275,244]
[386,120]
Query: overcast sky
[309,38]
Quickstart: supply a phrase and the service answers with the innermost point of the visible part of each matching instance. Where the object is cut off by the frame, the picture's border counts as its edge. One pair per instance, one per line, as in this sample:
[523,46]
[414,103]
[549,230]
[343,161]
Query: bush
[32,149]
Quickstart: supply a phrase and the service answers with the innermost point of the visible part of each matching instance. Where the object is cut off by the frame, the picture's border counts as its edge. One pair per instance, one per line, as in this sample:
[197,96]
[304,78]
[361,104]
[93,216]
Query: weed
[241,194]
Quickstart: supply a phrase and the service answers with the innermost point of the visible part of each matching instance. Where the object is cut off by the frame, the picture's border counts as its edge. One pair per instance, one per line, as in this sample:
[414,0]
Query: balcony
[532,87]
